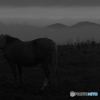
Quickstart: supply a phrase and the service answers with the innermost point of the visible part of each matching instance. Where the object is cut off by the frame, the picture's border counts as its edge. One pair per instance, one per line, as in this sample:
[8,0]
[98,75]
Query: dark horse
[31,53]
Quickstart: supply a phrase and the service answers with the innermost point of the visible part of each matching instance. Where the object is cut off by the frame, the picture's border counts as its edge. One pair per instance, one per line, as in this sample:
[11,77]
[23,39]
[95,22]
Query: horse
[40,51]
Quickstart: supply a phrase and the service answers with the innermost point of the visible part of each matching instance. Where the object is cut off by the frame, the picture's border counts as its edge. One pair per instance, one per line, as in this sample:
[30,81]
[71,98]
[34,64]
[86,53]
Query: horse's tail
[53,66]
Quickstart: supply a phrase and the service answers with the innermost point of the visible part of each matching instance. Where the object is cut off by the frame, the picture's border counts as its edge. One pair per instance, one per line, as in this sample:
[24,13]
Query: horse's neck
[9,44]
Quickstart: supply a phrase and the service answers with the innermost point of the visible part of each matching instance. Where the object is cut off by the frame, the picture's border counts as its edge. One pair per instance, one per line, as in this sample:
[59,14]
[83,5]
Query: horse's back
[43,42]
[43,47]
[30,52]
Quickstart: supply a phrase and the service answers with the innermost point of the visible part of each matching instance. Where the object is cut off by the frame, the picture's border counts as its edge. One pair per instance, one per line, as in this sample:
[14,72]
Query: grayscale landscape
[78,64]
[74,25]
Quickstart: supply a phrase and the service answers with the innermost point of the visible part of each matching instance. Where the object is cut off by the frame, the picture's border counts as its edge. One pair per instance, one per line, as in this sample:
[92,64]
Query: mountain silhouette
[57,26]
[83,30]
[84,23]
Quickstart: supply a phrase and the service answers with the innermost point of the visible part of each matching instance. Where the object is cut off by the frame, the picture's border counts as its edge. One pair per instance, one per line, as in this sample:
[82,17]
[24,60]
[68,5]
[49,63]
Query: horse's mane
[10,39]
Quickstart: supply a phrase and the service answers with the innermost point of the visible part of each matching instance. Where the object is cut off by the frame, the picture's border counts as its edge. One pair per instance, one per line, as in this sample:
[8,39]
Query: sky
[43,12]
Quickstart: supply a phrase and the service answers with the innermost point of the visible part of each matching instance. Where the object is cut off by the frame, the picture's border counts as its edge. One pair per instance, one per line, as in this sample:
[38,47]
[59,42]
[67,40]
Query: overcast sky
[70,10]
[49,3]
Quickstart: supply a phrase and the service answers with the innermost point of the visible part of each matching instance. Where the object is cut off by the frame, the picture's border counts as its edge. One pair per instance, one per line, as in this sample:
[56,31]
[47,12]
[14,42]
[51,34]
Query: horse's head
[2,41]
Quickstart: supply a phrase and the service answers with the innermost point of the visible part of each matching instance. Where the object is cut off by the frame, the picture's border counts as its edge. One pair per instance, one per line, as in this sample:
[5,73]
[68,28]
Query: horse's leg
[53,67]
[20,74]
[46,70]
[13,67]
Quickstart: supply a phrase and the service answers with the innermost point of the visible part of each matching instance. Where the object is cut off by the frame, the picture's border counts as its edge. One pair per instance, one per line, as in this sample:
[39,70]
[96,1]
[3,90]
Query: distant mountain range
[58,31]
[79,24]
[57,26]
[85,23]
[53,26]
